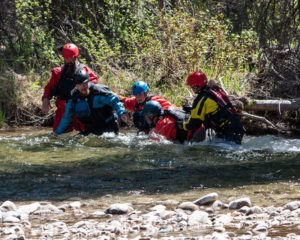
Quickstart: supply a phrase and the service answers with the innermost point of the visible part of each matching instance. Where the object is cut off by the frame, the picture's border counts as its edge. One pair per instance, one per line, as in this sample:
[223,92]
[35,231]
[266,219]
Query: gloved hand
[187,108]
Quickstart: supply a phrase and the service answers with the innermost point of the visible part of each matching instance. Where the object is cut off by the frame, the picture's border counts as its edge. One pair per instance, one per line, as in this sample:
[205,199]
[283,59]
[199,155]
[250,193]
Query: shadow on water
[43,167]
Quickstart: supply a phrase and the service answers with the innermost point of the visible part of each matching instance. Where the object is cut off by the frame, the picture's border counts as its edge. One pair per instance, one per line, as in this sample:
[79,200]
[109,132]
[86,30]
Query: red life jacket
[221,98]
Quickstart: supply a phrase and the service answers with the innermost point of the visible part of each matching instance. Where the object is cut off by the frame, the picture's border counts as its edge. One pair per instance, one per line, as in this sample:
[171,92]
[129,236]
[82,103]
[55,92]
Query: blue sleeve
[67,118]
[111,100]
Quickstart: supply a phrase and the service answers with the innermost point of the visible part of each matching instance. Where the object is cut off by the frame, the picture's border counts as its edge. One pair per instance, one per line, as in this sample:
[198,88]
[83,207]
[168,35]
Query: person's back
[212,108]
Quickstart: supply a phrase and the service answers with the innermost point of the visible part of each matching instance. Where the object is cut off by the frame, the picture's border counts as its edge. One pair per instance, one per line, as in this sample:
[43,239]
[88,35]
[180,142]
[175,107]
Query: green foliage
[125,41]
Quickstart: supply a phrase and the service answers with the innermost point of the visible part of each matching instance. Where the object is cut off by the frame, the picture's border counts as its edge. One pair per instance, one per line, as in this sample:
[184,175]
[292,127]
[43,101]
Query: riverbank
[146,218]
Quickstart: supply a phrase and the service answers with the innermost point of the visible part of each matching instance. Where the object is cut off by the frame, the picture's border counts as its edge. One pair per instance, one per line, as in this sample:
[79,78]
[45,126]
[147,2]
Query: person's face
[83,88]
[151,120]
[70,61]
[196,89]
[141,97]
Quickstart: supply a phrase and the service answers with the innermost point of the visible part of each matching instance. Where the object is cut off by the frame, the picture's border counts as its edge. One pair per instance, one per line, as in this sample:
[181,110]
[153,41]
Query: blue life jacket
[82,108]
[94,118]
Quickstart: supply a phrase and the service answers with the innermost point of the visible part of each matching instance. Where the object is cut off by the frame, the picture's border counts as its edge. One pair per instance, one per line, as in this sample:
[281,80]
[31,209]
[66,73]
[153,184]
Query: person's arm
[203,107]
[129,103]
[67,118]
[114,101]
[55,75]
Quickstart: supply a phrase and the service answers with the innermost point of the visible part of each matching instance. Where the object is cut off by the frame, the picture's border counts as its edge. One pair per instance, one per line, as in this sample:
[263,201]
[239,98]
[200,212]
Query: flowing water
[36,166]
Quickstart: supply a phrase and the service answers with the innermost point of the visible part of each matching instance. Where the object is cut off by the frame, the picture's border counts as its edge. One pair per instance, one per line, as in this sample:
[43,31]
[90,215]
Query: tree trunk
[273,105]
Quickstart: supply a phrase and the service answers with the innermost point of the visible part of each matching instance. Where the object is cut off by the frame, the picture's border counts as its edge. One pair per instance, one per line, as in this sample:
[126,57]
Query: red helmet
[197,79]
[70,50]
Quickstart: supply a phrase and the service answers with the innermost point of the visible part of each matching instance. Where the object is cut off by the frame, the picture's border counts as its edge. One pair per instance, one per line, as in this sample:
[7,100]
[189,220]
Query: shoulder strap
[99,89]
[176,113]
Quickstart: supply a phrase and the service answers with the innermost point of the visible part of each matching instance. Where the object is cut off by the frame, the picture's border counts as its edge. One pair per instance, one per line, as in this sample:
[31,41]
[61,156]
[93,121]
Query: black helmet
[152,108]
[81,76]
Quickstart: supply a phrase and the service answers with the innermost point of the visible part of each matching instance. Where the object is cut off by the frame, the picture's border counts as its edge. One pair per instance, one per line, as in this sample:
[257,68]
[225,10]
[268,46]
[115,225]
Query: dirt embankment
[278,78]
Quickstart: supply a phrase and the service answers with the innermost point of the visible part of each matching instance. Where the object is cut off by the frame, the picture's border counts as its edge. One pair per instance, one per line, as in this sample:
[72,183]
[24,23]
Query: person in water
[135,104]
[94,105]
[165,123]
[62,82]
[212,108]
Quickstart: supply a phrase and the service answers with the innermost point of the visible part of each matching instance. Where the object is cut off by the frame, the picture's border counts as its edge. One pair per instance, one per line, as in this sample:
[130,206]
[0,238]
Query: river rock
[47,209]
[239,203]
[180,217]
[15,237]
[28,209]
[166,214]
[198,217]
[98,214]
[8,206]
[292,205]
[158,208]
[75,205]
[119,208]
[223,219]
[188,206]
[207,199]
[11,217]
[218,236]
[150,217]
[218,205]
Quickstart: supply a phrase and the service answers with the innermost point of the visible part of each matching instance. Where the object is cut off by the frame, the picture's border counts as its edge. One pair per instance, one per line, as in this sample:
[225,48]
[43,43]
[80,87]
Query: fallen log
[272,105]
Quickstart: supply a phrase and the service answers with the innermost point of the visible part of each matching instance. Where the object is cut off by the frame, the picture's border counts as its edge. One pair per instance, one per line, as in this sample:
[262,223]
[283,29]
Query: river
[36,166]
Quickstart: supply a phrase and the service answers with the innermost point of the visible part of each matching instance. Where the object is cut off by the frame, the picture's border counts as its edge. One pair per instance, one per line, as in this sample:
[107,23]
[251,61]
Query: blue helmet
[139,88]
[152,108]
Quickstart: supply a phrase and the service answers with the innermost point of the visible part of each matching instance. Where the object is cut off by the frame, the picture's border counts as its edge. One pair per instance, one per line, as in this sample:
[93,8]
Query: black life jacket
[221,98]
[66,83]
[138,119]
[180,116]
[93,118]
[225,121]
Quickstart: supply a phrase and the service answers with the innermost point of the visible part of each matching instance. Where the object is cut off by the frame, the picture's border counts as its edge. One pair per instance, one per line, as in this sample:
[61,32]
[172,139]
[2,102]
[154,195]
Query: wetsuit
[94,110]
[132,105]
[59,86]
[207,109]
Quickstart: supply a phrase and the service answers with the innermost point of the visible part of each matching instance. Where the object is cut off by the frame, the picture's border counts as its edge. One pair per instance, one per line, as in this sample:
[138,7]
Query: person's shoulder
[100,88]
[56,70]
[88,69]
[156,97]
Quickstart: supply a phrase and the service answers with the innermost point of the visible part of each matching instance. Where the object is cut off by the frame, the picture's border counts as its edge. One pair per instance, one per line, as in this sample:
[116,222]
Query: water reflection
[42,166]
